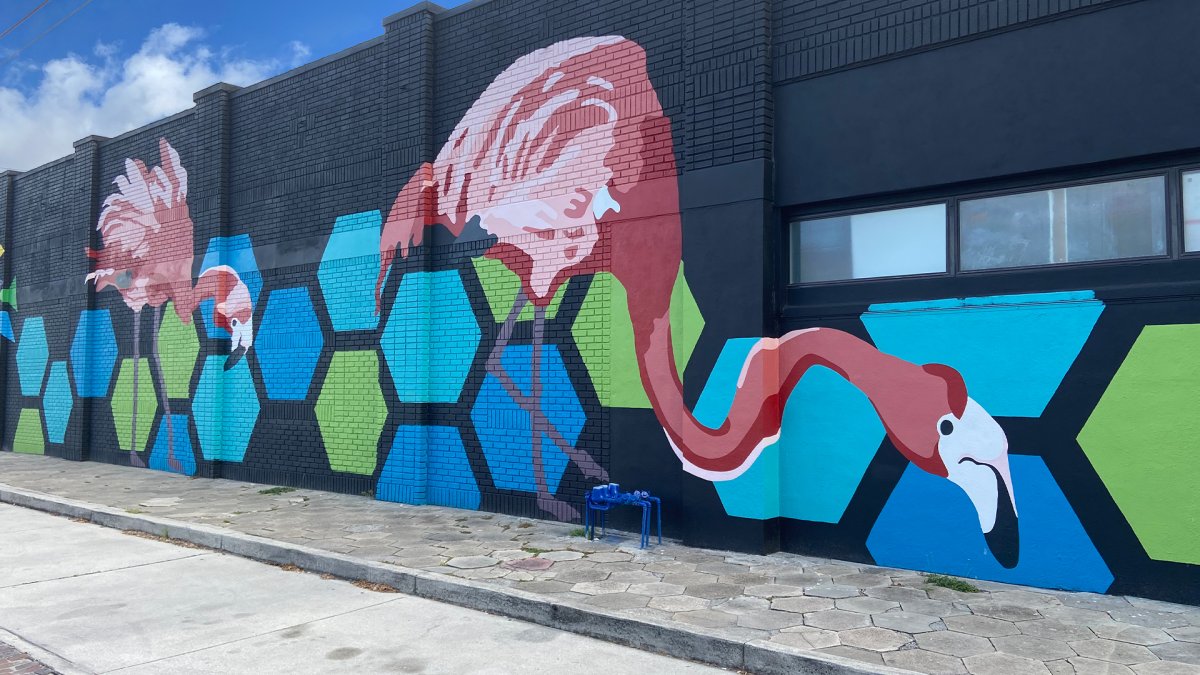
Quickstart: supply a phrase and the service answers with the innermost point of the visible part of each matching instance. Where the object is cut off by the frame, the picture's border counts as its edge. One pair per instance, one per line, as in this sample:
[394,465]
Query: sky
[80,67]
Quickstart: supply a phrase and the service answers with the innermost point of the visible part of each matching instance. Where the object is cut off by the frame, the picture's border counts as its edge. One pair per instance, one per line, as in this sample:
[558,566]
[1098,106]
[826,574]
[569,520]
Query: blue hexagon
[236,252]
[428,364]
[984,337]
[6,329]
[93,353]
[32,355]
[829,435]
[348,270]
[226,408]
[182,445]
[929,524]
[58,402]
[288,343]
[504,428]
[428,465]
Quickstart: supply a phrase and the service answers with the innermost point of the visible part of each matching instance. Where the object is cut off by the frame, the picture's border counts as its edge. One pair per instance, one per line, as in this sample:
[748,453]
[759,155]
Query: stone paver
[472,562]
[907,622]
[866,605]
[954,644]
[802,604]
[1036,648]
[982,626]
[924,661]
[1166,668]
[836,619]
[872,614]
[1004,664]
[769,619]
[875,639]
[1085,666]
[1113,651]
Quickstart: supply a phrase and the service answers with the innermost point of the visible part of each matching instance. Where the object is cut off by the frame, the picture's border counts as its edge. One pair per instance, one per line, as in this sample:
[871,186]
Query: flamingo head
[974,451]
[233,309]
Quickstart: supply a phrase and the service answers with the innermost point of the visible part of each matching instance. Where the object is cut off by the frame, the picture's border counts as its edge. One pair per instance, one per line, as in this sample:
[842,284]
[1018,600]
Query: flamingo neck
[904,395]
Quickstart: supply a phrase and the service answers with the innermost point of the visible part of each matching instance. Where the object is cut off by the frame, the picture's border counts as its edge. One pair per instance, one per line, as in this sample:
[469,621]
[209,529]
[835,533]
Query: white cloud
[76,97]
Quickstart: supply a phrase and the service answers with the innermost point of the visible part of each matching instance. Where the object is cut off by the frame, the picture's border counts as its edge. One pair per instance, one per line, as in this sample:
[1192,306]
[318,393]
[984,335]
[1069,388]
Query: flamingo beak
[242,338]
[989,487]
[976,459]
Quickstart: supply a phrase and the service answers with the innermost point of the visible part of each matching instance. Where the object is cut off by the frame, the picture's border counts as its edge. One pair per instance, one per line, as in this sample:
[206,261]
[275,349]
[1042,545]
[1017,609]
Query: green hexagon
[604,335]
[178,348]
[351,411]
[501,284]
[29,437]
[1141,438]
[123,403]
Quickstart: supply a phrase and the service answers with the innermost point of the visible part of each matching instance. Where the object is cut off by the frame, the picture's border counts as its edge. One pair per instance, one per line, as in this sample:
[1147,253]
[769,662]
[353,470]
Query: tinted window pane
[1191,211]
[880,244]
[1121,219]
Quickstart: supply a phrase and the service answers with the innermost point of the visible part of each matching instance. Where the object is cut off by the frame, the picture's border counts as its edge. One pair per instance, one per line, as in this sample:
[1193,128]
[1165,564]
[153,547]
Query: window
[1191,211]
[1102,221]
[865,245]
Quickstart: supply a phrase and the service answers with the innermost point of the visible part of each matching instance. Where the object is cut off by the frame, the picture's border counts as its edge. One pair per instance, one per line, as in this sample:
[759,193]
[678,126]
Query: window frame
[1177,208]
[1173,220]
[899,206]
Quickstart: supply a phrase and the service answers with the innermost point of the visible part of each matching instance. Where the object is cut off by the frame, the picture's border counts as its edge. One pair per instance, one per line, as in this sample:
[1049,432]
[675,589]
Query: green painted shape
[178,348]
[351,411]
[1141,439]
[604,335]
[29,437]
[123,404]
[686,321]
[501,285]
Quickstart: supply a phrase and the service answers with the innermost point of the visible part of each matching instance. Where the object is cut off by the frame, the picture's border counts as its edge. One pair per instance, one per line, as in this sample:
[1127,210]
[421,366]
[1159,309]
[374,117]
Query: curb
[668,638]
[42,655]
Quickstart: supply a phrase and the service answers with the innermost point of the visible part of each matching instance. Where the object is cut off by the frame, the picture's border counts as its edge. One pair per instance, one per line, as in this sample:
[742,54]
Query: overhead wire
[23,19]
[44,33]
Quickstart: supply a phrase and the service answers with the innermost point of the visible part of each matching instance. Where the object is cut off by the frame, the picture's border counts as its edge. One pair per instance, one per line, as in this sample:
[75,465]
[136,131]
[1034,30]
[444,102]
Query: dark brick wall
[814,36]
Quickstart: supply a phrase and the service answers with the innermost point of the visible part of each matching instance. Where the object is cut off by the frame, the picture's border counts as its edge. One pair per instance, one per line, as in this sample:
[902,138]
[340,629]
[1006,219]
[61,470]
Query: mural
[569,162]
[146,256]
[473,341]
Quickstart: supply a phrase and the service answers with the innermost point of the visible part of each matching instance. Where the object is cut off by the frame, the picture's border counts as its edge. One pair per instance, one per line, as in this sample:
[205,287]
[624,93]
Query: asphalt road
[104,601]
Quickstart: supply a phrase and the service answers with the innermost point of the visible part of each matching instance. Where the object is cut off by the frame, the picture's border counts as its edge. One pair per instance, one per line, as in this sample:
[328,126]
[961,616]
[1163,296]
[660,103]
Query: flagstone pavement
[872,614]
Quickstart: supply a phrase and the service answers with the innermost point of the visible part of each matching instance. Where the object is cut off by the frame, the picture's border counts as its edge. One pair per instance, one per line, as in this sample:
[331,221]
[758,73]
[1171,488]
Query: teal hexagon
[32,355]
[349,266]
[226,409]
[829,435]
[983,337]
[58,402]
[430,338]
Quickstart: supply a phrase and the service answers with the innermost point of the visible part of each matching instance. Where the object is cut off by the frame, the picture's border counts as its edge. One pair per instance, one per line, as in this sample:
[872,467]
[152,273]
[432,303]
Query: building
[510,250]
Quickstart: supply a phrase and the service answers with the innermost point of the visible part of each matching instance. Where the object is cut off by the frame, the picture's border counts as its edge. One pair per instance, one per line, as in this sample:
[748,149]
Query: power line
[23,19]
[46,32]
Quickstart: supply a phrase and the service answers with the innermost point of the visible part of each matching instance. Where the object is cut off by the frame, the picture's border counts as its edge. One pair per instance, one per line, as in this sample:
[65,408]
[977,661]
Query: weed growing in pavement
[276,491]
[951,583]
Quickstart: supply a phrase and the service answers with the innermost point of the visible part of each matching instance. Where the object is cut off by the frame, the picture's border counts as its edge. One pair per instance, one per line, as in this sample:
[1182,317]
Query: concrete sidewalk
[777,613]
[134,605]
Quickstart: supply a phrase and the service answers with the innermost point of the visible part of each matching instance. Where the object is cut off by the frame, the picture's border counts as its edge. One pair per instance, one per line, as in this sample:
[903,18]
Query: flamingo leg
[589,466]
[134,459]
[541,426]
[172,463]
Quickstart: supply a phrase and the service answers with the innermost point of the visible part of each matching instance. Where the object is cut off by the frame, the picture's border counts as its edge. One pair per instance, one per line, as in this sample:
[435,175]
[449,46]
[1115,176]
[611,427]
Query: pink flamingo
[147,256]
[568,159]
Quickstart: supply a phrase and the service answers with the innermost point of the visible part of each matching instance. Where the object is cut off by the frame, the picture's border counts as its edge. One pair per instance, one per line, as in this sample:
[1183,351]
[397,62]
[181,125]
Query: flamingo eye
[946,427]
[233,322]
